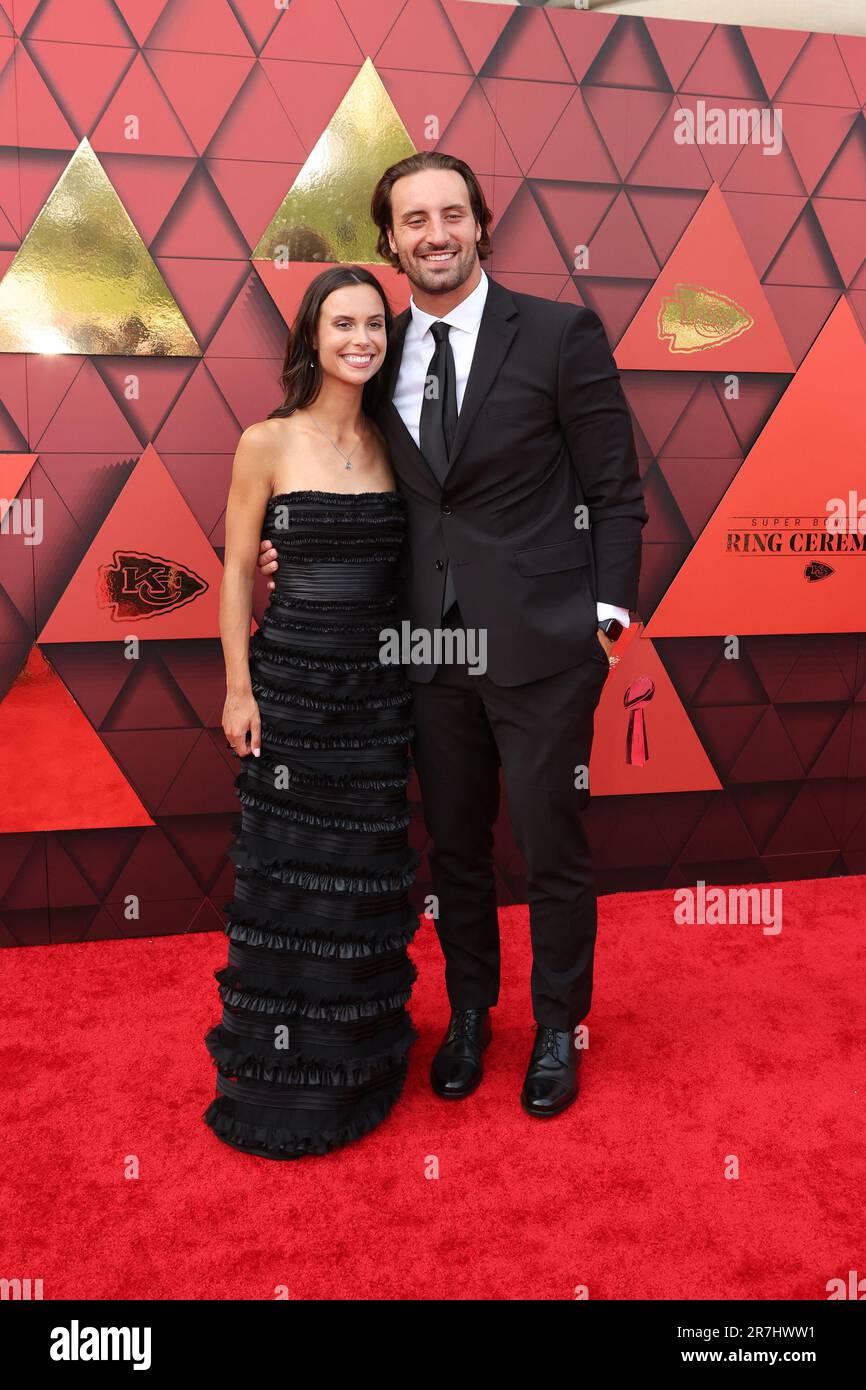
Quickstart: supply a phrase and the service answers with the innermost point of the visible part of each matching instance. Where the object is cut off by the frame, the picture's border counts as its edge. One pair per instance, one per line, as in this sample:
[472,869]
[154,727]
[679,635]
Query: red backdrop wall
[733,288]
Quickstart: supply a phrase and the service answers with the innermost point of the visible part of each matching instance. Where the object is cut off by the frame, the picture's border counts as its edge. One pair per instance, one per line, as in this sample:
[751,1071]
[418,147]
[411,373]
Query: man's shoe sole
[552,1112]
[457,1095]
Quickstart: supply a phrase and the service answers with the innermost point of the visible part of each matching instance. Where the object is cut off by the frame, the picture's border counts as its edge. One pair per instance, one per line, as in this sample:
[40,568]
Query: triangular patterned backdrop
[200,117]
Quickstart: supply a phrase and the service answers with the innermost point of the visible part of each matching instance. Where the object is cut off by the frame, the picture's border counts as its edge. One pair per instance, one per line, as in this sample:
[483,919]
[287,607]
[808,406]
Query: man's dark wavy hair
[380,206]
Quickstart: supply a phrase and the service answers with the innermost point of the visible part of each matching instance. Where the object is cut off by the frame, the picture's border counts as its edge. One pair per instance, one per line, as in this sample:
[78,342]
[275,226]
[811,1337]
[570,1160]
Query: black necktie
[439,420]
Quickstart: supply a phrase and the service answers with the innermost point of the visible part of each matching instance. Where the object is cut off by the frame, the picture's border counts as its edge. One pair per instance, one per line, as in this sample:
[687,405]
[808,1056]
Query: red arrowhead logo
[137,586]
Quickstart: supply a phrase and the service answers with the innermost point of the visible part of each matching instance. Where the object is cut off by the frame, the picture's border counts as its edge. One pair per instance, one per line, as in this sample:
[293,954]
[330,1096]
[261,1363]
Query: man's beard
[436,281]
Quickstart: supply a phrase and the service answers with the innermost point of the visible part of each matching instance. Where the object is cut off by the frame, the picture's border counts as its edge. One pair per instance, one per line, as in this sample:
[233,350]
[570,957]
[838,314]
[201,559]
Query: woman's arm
[247,501]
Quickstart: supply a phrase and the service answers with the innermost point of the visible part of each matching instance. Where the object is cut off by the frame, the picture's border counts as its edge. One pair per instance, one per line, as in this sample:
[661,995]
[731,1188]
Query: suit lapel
[495,334]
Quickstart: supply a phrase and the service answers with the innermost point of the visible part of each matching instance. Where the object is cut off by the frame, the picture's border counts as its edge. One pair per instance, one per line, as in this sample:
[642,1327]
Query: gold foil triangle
[325,216]
[83,280]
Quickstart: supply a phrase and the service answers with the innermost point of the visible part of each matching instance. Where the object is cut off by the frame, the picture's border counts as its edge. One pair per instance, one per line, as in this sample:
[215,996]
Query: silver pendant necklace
[347,458]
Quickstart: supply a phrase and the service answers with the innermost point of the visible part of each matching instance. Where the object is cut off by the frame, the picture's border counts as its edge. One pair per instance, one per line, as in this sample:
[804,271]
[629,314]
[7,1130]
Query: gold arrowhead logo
[695,318]
[325,216]
[83,280]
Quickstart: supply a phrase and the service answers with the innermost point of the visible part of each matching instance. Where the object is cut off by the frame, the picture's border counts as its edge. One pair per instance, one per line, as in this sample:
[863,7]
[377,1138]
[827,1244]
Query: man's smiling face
[433,230]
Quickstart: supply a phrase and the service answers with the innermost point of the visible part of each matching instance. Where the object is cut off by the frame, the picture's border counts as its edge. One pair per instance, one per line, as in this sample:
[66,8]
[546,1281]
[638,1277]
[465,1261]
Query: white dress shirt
[418,349]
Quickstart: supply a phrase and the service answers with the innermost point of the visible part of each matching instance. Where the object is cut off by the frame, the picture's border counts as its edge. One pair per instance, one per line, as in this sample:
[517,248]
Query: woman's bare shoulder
[256,459]
[265,434]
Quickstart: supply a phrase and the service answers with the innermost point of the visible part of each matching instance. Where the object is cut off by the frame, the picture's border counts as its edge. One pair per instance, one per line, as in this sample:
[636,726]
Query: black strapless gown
[314,1042]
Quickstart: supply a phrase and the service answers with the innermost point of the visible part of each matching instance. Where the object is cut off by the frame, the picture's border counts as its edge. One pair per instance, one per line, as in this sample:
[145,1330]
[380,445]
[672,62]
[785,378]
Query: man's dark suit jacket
[544,428]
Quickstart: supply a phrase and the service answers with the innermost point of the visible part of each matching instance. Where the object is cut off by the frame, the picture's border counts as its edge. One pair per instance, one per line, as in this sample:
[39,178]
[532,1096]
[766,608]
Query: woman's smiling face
[350,338]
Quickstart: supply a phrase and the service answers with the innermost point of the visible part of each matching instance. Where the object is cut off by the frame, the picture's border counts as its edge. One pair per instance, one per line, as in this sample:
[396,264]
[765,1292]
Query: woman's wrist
[239,686]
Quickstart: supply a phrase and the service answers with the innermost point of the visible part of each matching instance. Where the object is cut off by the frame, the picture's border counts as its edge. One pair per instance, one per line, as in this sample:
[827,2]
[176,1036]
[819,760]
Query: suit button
[440,564]
[446,511]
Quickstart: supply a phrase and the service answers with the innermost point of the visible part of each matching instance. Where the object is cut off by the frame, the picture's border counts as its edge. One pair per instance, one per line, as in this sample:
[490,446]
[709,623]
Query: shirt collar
[467,314]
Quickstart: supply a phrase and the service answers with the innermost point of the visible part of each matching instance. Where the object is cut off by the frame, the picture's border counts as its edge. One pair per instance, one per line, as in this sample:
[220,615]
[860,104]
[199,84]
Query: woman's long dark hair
[301,377]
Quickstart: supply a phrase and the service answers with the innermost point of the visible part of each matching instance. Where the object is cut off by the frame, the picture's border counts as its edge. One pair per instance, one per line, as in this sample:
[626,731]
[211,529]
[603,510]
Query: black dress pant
[540,733]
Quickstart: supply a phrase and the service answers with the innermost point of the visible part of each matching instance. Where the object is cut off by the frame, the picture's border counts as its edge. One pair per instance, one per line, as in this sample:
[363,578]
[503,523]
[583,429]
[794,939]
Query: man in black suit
[512,444]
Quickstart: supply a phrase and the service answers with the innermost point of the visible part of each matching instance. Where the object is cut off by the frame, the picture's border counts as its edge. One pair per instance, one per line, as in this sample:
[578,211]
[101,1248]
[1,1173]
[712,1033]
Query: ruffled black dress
[313,1046]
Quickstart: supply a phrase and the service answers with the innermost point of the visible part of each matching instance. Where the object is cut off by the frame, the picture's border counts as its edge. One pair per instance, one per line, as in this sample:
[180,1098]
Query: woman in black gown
[313,1046]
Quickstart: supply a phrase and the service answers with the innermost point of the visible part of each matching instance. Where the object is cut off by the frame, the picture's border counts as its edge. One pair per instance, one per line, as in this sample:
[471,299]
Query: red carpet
[705,1042]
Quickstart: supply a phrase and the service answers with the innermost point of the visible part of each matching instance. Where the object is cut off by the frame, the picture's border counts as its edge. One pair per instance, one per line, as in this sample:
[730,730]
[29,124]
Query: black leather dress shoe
[551,1078]
[456,1069]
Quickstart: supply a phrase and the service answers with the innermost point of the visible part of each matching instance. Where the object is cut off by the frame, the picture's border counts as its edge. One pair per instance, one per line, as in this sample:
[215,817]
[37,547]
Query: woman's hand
[267,561]
[241,716]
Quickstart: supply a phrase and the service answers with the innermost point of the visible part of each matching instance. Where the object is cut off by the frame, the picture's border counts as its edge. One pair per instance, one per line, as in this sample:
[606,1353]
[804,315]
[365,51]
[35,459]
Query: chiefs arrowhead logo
[696,318]
[815,570]
[144,586]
